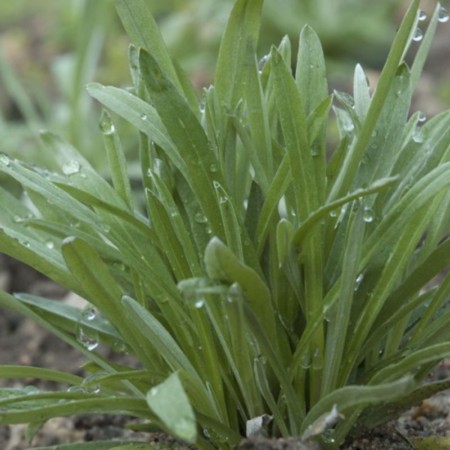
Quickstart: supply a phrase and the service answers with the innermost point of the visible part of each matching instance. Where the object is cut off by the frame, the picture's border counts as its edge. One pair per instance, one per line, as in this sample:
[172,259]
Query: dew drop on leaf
[422,16]
[89,312]
[71,167]
[144,117]
[443,15]
[30,390]
[111,129]
[199,303]
[368,214]
[200,218]
[50,244]
[359,279]
[333,213]
[262,62]
[119,346]
[5,159]
[87,338]
[305,361]
[422,117]
[154,391]
[418,35]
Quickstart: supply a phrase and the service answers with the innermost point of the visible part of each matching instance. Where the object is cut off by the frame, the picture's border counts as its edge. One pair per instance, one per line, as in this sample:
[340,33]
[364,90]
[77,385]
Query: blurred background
[49,51]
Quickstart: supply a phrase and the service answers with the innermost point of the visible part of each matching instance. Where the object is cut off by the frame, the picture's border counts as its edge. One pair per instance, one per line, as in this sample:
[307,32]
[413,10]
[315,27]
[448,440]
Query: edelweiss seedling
[260,285]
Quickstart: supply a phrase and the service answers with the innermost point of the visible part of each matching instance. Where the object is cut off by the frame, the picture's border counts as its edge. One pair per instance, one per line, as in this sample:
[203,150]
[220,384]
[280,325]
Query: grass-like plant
[268,283]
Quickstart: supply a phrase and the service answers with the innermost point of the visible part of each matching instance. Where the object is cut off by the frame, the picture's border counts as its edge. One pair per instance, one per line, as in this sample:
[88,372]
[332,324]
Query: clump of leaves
[263,286]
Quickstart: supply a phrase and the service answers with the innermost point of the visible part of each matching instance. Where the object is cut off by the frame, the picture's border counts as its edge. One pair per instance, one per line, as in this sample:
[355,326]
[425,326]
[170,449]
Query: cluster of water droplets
[86,334]
[443,17]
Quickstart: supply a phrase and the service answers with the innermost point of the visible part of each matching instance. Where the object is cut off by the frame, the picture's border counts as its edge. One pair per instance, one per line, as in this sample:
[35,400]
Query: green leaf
[102,290]
[350,398]
[354,156]
[295,133]
[188,136]
[144,32]
[116,158]
[239,39]
[13,371]
[140,114]
[223,265]
[170,403]
[310,73]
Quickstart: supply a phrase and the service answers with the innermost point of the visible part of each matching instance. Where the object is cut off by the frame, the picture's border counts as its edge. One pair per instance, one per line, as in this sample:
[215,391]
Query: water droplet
[422,16]
[358,280]
[349,127]
[333,213]
[199,303]
[421,117]
[87,337]
[22,219]
[93,389]
[5,159]
[50,244]
[262,62]
[106,125]
[368,214]
[71,167]
[89,312]
[119,346]
[305,360]
[234,293]
[200,218]
[26,243]
[144,117]
[154,391]
[443,15]
[30,390]
[119,265]
[213,168]
[418,35]
[111,129]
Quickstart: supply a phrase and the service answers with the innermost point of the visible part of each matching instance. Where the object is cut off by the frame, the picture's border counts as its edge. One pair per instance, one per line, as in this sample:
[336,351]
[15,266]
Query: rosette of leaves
[271,282]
